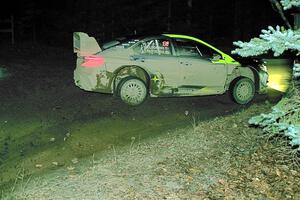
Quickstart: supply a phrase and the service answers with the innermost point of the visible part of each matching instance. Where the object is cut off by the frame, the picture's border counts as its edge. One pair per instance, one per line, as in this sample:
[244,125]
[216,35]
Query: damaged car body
[165,65]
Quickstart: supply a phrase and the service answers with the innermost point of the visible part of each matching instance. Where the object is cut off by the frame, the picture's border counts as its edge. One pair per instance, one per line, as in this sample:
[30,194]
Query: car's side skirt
[188,91]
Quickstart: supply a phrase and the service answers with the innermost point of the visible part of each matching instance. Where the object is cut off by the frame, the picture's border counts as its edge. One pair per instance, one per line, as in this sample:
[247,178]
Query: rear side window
[120,42]
[191,48]
[161,47]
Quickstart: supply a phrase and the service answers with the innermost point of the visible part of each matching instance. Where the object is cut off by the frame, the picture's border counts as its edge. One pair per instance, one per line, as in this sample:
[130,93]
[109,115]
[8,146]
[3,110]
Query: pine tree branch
[275,40]
[288,4]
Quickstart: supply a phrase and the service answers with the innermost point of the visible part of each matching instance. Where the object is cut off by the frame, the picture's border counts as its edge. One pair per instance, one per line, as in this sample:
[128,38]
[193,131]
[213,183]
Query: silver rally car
[165,65]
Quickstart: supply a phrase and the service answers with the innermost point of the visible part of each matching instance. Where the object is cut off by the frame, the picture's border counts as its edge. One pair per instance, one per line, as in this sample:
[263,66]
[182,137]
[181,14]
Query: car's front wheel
[132,91]
[242,90]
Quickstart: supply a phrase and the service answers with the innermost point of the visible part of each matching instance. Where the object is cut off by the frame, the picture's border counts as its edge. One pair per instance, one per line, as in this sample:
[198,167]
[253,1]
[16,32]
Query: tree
[284,118]
[287,4]
[189,12]
[276,39]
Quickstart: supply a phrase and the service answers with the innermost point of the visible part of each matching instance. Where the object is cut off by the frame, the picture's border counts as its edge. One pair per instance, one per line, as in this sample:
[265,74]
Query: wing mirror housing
[216,57]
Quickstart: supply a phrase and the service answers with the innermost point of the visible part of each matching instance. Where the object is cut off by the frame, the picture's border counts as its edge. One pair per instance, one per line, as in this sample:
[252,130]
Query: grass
[184,164]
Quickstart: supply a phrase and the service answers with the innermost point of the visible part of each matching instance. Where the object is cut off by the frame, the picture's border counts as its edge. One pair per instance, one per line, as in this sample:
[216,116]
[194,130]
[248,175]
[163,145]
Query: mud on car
[164,65]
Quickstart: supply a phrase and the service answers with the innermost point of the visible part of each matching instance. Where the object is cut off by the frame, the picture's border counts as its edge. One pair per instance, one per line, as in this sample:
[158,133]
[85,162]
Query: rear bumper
[93,79]
[83,80]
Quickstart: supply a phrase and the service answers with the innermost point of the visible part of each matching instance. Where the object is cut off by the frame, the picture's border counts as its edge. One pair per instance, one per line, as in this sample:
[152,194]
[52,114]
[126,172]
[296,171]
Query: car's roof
[129,38]
[144,36]
[119,40]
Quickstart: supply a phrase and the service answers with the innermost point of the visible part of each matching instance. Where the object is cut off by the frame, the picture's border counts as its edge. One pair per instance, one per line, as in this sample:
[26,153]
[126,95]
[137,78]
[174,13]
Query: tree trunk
[237,20]
[189,13]
[277,7]
[296,67]
[169,15]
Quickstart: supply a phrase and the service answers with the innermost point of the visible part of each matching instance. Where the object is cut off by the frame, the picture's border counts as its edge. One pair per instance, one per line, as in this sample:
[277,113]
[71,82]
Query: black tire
[132,91]
[242,90]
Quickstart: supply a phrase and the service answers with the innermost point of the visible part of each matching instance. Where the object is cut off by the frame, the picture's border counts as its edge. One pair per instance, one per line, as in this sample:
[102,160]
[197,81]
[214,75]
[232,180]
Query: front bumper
[263,81]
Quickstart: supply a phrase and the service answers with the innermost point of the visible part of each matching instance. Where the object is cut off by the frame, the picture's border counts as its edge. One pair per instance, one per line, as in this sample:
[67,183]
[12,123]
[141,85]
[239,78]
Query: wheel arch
[130,70]
[243,72]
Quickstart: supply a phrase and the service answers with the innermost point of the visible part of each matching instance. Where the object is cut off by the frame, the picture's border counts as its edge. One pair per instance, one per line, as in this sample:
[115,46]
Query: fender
[236,72]
[129,70]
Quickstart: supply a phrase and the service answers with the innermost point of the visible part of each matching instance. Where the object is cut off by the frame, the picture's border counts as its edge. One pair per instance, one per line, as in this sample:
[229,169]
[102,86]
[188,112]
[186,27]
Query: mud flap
[85,45]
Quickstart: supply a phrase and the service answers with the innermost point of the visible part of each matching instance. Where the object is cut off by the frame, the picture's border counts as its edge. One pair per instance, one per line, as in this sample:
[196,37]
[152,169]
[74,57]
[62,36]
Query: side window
[193,49]
[187,48]
[154,47]
[206,51]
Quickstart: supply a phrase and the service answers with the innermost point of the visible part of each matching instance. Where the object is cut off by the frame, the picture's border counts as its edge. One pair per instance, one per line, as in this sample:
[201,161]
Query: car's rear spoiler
[84,45]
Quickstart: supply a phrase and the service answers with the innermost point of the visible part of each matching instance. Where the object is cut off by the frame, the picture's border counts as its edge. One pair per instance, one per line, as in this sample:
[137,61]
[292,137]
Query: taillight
[93,61]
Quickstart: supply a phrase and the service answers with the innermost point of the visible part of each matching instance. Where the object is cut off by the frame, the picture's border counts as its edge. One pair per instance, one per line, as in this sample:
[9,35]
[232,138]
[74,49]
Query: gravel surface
[218,159]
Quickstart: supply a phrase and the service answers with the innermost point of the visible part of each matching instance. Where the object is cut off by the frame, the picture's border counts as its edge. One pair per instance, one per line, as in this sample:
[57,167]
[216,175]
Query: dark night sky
[217,21]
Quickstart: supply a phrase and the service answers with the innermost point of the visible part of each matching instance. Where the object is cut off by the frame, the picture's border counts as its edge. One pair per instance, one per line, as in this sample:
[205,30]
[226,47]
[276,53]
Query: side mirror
[216,57]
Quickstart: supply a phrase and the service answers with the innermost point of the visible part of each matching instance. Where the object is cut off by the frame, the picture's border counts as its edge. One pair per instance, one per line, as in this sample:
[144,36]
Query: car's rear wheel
[132,91]
[242,90]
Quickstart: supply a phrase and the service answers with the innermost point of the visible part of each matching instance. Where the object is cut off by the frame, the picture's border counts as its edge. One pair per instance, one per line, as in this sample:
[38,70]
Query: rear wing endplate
[84,45]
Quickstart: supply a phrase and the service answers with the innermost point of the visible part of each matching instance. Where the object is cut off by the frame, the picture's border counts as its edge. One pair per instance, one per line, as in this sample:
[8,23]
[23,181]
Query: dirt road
[46,121]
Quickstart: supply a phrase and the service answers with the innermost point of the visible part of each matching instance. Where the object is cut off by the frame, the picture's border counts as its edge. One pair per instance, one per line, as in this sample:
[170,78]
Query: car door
[201,67]
[156,55]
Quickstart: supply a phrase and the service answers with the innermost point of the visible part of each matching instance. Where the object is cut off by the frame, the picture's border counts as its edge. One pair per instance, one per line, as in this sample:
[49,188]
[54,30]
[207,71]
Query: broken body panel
[165,74]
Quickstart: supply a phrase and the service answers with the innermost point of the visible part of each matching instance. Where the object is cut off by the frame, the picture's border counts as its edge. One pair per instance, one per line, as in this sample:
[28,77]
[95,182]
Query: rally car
[165,65]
